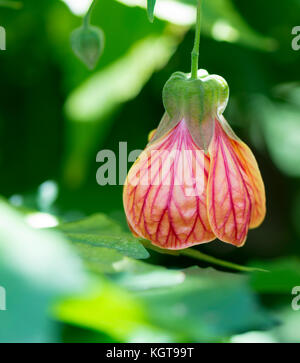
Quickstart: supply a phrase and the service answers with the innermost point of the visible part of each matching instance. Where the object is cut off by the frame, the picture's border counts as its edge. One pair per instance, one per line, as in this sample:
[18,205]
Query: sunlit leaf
[203,305]
[36,267]
[193,305]
[288,331]
[137,275]
[113,311]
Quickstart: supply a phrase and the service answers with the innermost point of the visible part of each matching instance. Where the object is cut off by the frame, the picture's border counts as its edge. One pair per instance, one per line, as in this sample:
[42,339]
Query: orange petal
[249,164]
[230,195]
[165,192]
[132,230]
[151,134]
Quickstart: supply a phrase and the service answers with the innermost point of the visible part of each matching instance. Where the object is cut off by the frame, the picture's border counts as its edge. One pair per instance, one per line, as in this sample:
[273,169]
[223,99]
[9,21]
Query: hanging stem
[87,17]
[195,51]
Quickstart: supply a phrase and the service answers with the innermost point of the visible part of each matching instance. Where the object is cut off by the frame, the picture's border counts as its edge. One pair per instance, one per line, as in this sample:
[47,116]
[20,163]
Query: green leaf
[283,276]
[101,242]
[113,311]
[125,244]
[95,224]
[138,275]
[100,260]
[150,9]
[160,305]
[36,267]
[201,308]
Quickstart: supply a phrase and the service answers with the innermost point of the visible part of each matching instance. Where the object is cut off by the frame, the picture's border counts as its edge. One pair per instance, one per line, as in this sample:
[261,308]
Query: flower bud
[87,43]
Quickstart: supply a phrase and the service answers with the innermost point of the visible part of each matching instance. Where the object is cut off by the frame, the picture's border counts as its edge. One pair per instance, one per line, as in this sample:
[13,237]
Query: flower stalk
[87,17]
[190,252]
[200,256]
[195,51]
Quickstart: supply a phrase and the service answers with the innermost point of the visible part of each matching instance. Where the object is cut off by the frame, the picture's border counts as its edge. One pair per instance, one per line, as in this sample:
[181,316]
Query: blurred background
[90,281]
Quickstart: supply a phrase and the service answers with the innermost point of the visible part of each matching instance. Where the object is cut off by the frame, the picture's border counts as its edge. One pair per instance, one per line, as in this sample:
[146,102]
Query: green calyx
[188,98]
[196,101]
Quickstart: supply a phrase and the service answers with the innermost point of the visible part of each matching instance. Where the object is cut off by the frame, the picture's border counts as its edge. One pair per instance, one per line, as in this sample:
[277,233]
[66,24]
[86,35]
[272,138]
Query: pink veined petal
[165,192]
[250,166]
[230,194]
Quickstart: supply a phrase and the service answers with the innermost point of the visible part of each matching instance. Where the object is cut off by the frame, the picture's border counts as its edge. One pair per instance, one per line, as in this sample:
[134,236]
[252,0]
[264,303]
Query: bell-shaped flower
[196,180]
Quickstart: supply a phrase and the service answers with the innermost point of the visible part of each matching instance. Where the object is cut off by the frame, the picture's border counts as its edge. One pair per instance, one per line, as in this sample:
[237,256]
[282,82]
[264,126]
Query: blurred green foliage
[88,278]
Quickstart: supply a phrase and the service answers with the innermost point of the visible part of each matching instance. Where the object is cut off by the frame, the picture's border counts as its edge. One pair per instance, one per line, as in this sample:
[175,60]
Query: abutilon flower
[196,180]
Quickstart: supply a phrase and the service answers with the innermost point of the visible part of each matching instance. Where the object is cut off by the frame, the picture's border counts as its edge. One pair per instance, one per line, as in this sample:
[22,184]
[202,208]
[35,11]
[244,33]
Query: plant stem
[197,255]
[87,17]
[195,51]
[203,257]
